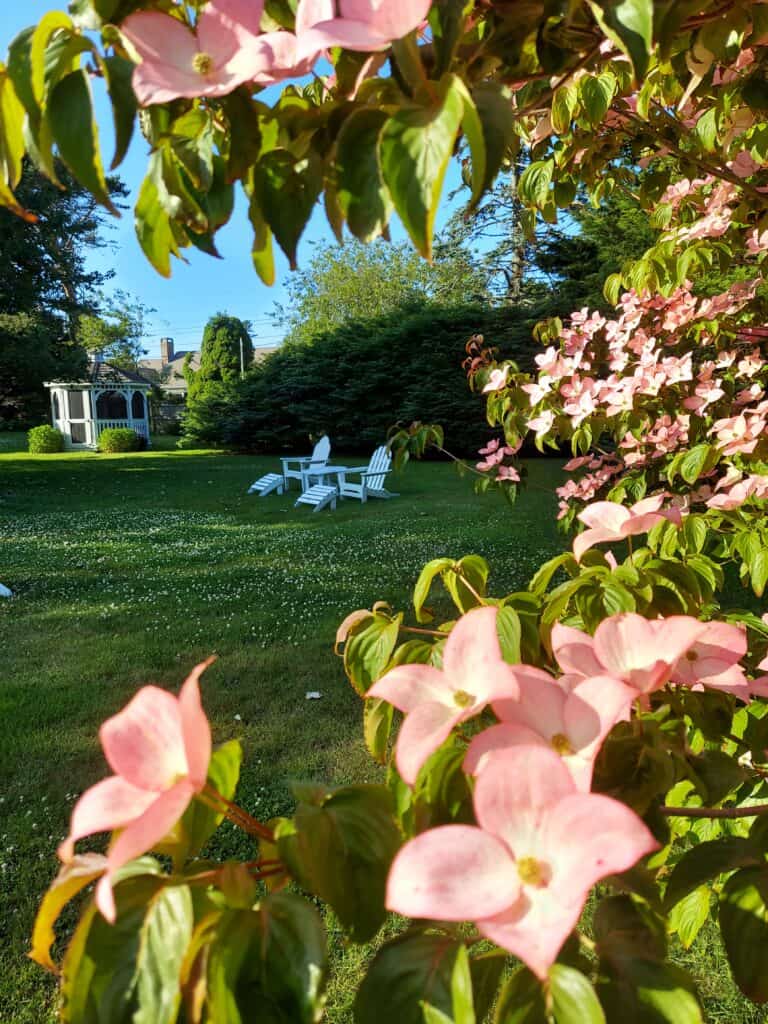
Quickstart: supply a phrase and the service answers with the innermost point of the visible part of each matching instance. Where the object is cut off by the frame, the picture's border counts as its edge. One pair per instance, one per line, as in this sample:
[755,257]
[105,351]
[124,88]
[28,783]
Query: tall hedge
[356,381]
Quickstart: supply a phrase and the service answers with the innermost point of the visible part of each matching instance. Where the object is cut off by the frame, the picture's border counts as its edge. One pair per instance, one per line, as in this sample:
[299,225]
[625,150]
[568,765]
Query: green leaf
[758,571]
[707,861]
[286,190]
[153,225]
[199,822]
[262,250]
[446,19]
[362,194]
[534,184]
[377,726]
[573,999]
[462,1000]
[423,585]
[564,104]
[595,94]
[650,993]
[50,23]
[510,632]
[130,972]
[118,72]
[339,847]
[694,462]
[367,651]
[71,879]
[688,916]
[473,132]
[268,964]
[75,132]
[744,928]
[413,969]
[522,1000]
[415,149]
[628,24]
[465,580]
[493,103]
[11,145]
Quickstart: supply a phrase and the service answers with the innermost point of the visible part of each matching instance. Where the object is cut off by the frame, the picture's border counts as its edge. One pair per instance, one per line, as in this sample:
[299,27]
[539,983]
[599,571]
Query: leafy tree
[226,351]
[116,330]
[355,381]
[31,351]
[341,283]
[46,286]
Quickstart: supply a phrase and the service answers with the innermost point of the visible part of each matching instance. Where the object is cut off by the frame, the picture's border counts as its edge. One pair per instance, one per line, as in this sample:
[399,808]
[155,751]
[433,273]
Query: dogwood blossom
[434,702]
[524,874]
[159,747]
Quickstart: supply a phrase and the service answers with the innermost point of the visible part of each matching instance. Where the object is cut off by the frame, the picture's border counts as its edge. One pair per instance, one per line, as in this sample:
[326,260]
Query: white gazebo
[105,397]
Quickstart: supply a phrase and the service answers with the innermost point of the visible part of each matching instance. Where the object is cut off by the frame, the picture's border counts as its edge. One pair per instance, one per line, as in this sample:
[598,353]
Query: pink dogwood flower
[610,521]
[159,747]
[712,662]
[642,653]
[574,724]
[473,674]
[362,25]
[497,379]
[524,874]
[226,50]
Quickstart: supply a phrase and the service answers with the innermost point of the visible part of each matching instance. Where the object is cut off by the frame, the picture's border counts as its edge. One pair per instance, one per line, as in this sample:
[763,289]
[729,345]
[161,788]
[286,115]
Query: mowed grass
[129,569]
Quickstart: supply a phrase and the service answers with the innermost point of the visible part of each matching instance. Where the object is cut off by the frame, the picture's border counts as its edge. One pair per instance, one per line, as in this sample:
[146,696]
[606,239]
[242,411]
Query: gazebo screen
[56,413]
[76,407]
[111,405]
[137,406]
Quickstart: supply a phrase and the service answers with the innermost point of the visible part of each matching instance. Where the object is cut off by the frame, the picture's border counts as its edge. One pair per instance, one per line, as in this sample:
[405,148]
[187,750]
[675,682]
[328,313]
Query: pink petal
[144,741]
[157,84]
[641,524]
[677,634]
[310,12]
[391,18]
[628,648]
[449,873]
[575,651]
[515,790]
[534,929]
[351,35]
[422,732]
[407,686]
[540,706]
[730,680]
[472,657]
[646,505]
[160,40]
[140,836]
[224,25]
[496,739]
[605,515]
[587,837]
[111,803]
[586,540]
[592,710]
[195,727]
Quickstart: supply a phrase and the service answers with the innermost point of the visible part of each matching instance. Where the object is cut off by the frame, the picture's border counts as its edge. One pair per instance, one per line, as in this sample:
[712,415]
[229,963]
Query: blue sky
[203,286]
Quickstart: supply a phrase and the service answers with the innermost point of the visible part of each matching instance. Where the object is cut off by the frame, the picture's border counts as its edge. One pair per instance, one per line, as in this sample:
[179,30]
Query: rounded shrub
[119,439]
[44,440]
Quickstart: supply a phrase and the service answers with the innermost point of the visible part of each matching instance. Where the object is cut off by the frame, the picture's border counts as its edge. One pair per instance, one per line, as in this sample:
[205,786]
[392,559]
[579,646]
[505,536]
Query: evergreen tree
[226,351]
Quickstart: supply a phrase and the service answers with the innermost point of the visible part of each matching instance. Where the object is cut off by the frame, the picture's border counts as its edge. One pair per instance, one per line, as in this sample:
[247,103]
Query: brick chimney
[166,351]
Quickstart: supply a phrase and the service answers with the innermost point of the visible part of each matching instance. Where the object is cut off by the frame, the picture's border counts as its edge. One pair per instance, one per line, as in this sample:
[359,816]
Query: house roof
[105,373]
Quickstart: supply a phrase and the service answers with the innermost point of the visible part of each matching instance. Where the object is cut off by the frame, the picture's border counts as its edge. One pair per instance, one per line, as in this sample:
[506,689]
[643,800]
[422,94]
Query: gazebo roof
[99,373]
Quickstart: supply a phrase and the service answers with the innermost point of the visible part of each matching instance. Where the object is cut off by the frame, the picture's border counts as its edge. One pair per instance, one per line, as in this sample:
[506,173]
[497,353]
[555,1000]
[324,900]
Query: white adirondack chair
[267,484]
[319,496]
[372,478]
[296,468]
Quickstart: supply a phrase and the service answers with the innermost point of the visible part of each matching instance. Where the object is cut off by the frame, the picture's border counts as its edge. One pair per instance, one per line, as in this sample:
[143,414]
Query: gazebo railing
[137,425]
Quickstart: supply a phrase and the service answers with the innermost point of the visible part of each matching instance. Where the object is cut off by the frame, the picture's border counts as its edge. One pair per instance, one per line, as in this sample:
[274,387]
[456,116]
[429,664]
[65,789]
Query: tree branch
[715,812]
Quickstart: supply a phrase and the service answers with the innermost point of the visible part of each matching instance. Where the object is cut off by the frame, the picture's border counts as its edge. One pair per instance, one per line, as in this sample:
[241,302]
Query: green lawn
[133,568]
